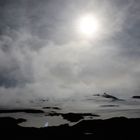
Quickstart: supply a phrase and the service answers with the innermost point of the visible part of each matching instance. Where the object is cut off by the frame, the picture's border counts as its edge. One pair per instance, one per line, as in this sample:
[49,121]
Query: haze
[42,55]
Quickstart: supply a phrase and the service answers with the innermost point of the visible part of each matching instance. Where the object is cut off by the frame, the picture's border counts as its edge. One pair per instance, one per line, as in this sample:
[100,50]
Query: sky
[43,55]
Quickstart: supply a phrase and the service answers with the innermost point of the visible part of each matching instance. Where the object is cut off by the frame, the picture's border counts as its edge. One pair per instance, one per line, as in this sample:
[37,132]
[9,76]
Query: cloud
[41,56]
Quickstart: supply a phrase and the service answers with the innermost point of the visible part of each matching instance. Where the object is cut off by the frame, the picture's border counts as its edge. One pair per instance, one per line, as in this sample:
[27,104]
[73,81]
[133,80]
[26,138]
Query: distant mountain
[105,95]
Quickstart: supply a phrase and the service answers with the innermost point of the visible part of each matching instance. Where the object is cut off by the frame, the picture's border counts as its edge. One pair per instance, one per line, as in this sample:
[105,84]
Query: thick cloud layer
[41,55]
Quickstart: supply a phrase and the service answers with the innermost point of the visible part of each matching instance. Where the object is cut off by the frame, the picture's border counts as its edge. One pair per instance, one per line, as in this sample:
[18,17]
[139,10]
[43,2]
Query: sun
[88,25]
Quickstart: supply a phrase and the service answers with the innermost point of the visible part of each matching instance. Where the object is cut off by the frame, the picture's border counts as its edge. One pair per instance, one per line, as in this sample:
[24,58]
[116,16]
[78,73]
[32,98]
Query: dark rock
[105,95]
[20,120]
[109,96]
[8,122]
[115,128]
[73,117]
[109,106]
[21,110]
[56,108]
[136,97]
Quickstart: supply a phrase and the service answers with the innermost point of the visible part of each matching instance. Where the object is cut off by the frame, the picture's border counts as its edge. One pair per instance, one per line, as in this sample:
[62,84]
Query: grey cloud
[41,55]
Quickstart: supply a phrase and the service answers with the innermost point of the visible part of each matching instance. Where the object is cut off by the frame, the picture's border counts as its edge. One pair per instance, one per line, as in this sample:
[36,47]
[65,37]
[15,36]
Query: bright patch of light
[88,25]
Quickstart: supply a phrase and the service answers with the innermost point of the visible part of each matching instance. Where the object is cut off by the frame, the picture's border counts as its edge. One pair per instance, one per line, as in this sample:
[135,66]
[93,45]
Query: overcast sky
[42,55]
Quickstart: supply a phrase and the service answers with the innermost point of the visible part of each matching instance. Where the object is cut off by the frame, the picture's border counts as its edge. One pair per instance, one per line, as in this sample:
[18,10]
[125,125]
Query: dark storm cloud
[41,54]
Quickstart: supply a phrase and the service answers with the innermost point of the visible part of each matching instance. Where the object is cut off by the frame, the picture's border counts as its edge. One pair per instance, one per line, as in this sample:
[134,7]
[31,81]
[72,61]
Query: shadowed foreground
[114,128]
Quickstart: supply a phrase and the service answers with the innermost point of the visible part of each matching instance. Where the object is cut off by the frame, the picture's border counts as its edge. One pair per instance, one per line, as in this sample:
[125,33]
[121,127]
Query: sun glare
[88,25]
